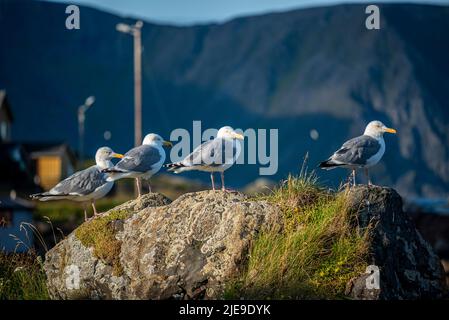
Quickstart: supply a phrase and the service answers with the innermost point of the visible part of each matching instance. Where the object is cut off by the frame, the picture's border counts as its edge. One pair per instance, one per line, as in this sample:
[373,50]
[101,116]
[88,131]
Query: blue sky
[202,11]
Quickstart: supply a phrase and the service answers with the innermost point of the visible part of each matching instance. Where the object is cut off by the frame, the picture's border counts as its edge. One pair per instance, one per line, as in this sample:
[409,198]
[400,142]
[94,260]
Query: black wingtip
[111,170]
[323,164]
[173,166]
[326,164]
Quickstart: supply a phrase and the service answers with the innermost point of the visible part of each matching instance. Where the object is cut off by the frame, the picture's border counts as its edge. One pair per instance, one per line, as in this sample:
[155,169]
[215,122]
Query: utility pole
[135,31]
[81,119]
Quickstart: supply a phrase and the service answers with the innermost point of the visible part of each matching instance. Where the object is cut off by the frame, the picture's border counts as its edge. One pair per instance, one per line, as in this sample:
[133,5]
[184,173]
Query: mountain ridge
[311,71]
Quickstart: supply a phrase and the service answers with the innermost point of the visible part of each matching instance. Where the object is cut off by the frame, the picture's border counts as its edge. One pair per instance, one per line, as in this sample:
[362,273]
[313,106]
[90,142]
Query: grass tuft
[22,277]
[99,233]
[315,254]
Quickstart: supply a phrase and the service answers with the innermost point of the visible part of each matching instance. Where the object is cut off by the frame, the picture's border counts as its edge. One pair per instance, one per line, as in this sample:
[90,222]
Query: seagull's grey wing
[80,183]
[139,159]
[214,152]
[357,150]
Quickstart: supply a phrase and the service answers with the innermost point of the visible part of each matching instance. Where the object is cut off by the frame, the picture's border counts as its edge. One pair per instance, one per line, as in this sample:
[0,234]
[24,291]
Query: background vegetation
[22,277]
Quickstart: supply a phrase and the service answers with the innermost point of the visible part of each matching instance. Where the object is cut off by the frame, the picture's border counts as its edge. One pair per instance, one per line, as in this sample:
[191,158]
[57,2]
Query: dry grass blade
[316,253]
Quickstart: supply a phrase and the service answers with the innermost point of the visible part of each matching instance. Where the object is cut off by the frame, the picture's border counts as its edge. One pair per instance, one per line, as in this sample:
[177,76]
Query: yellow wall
[49,171]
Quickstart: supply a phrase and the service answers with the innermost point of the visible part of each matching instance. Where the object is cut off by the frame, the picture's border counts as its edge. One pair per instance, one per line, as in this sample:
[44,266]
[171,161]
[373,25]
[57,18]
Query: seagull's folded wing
[139,159]
[81,183]
[214,152]
[357,150]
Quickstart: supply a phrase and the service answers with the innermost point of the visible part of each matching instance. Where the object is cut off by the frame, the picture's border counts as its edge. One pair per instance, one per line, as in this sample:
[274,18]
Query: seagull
[86,185]
[141,162]
[216,155]
[361,152]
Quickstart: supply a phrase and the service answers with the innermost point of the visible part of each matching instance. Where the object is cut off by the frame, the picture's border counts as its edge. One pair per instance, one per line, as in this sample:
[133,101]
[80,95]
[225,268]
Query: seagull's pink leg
[139,192]
[212,179]
[367,176]
[95,209]
[222,181]
[85,211]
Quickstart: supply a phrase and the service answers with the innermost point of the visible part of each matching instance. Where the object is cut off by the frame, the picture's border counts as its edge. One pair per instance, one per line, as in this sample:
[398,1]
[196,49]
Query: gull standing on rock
[215,155]
[87,185]
[141,162]
[361,152]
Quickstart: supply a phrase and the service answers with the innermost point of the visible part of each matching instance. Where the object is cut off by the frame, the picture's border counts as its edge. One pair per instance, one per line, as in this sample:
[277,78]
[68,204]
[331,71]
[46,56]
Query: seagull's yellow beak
[167,144]
[238,136]
[117,155]
[389,130]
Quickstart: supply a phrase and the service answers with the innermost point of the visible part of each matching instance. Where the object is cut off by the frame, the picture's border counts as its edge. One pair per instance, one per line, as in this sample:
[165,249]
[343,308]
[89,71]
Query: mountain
[310,69]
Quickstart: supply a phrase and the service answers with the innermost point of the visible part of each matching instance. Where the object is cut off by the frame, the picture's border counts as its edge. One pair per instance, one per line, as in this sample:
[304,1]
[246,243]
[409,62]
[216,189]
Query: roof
[18,168]
[4,103]
[37,149]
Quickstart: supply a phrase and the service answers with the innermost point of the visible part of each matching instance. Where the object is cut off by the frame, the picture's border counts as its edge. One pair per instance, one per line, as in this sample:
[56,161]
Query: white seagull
[141,162]
[216,155]
[86,185]
[361,152]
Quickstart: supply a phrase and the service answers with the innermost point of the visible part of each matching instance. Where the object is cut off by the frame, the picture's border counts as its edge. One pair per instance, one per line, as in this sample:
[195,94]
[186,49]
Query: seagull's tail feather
[329,164]
[48,196]
[114,174]
[176,167]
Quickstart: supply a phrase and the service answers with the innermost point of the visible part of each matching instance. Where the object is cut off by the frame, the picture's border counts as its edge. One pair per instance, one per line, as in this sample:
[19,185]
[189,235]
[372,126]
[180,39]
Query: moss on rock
[99,233]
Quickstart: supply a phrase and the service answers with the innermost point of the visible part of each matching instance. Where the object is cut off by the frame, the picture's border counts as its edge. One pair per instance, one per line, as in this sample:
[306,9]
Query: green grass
[22,277]
[99,234]
[315,254]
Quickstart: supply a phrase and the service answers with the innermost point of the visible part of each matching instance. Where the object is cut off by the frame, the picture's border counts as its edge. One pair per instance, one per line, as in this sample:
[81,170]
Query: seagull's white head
[156,140]
[376,129]
[104,156]
[229,133]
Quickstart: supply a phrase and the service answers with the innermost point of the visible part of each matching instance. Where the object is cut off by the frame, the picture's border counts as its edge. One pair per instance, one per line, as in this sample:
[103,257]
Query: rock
[185,250]
[192,247]
[407,266]
[145,201]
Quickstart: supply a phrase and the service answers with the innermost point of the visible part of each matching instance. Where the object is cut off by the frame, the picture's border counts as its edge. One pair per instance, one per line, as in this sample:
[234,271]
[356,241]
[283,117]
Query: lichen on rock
[185,249]
[195,246]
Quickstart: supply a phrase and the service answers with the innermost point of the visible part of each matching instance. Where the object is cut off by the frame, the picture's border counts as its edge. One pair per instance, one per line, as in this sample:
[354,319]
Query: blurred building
[17,172]
[26,168]
[29,167]
[6,118]
[51,162]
